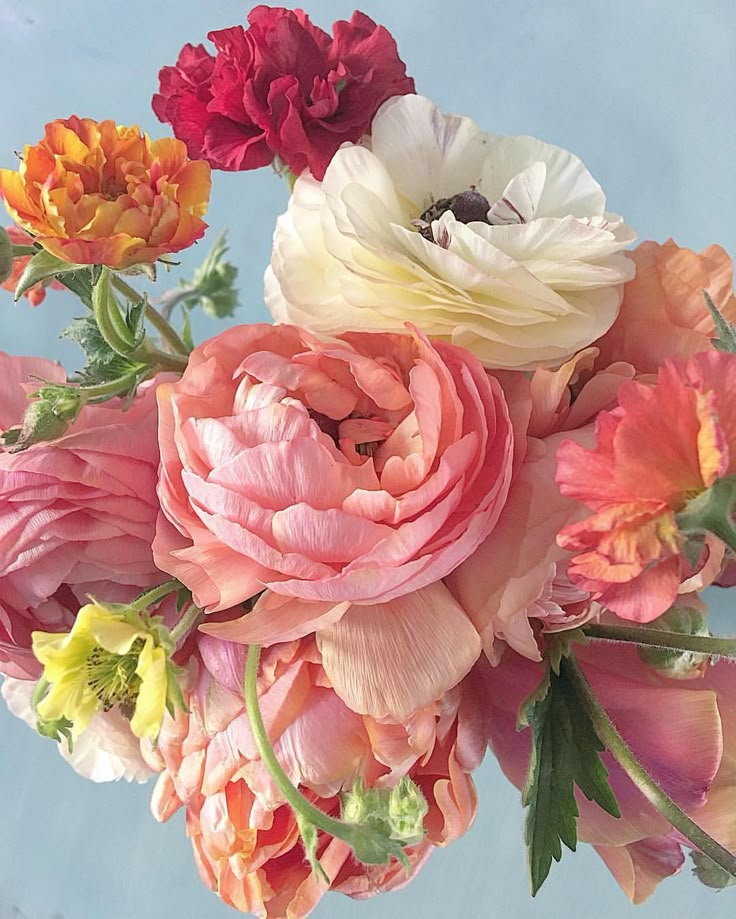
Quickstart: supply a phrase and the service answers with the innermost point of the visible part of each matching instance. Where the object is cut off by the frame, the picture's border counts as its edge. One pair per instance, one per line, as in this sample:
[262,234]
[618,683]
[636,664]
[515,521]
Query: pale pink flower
[245,838]
[77,516]
[684,733]
[353,470]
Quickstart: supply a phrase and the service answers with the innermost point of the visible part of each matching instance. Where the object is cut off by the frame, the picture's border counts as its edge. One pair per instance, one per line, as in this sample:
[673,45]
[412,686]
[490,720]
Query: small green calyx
[6,256]
[676,664]
[53,408]
[711,511]
[395,813]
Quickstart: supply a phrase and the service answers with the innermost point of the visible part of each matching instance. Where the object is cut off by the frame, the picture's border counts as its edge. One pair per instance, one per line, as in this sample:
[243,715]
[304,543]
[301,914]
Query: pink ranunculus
[353,471]
[76,516]
[682,733]
[245,839]
[281,87]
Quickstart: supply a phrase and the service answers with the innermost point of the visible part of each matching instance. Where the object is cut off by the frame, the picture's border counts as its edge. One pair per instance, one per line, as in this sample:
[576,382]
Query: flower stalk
[664,640]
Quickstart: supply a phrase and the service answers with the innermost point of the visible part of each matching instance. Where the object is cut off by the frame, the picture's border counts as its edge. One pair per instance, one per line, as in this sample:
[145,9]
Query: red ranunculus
[282,87]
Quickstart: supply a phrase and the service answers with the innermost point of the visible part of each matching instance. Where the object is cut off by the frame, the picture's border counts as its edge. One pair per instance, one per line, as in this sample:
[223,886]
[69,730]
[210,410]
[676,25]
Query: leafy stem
[184,626]
[665,640]
[154,595]
[20,251]
[159,322]
[369,844]
[656,795]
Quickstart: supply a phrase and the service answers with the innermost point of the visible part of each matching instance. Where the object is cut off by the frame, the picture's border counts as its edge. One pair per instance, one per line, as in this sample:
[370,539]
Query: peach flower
[99,193]
[682,732]
[660,448]
[246,841]
[663,314]
[37,293]
[76,516]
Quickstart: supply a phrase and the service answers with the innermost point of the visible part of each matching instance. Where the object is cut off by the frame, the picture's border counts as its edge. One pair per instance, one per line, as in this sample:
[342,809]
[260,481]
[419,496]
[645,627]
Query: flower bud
[407,808]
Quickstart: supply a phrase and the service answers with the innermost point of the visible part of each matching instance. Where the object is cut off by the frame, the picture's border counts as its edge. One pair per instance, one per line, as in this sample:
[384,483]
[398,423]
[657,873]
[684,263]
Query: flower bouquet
[464,494]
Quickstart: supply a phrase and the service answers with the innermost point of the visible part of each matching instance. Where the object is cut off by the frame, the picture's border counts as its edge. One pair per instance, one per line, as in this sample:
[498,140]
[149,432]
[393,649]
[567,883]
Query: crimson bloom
[281,87]
[662,447]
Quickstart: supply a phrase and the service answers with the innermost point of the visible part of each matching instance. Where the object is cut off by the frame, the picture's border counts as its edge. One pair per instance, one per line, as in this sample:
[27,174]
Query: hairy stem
[667,641]
[168,334]
[184,626]
[152,596]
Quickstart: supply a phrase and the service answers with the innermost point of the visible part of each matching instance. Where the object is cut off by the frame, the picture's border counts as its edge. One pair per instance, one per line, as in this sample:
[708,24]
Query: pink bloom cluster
[404,530]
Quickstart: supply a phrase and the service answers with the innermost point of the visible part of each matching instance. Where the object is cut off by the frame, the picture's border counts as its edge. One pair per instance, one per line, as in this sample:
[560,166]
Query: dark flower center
[467,207]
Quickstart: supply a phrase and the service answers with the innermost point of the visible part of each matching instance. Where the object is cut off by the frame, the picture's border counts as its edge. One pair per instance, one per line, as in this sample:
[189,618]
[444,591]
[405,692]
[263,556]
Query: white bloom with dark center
[499,244]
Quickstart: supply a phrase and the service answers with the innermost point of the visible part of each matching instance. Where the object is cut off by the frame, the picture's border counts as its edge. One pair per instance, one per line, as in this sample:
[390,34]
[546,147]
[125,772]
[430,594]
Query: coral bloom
[349,471]
[282,87]
[76,516]
[37,293]
[501,245]
[246,841]
[663,314]
[99,193]
[662,446]
[683,733]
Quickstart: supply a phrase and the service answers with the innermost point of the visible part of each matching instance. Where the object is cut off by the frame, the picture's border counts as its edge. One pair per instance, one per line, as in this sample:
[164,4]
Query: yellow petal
[151,702]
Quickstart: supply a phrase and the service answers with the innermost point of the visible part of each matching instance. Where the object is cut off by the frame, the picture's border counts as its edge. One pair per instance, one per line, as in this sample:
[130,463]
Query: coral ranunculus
[246,840]
[501,245]
[661,447]
[282,87]
[355,471]
[99,193]
[76,516]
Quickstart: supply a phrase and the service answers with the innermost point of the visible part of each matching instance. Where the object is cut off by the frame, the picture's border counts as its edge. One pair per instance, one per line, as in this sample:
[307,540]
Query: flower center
[112,677]
[467,207]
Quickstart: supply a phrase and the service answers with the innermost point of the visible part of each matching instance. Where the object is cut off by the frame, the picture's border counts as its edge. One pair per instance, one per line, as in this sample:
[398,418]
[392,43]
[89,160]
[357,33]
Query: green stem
[172,298]
[184,626]
[108,316]
[667,641]
[20,251]
[120,385]
[291,794]
[152,596]
[162,360]
[656,796]
[164,329]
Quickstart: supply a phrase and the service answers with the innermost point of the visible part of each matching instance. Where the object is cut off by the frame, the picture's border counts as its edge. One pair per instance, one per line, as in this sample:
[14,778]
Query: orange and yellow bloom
[100,193]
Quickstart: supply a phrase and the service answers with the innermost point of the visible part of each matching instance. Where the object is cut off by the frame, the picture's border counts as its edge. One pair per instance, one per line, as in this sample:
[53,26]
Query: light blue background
[642,90]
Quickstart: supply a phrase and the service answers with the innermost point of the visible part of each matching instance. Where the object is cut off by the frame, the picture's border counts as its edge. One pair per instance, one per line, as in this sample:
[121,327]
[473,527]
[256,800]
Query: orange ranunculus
[99,193]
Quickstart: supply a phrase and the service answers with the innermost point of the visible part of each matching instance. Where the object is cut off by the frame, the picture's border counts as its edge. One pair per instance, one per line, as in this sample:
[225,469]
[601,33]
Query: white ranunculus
[522,265]
[107,751]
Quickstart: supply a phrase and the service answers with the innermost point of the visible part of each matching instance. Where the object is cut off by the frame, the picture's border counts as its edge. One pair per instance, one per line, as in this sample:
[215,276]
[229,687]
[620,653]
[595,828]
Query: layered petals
[351,471]
[499,244]
[97,193]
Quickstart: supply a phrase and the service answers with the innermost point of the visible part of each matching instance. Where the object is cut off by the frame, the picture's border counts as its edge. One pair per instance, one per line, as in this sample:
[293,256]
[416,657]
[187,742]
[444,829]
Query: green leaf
[6,256]
[709,873]
[135,320]
[726,331]
[41,267]
[80,283]
[308,832]
[565,754]
[102,364]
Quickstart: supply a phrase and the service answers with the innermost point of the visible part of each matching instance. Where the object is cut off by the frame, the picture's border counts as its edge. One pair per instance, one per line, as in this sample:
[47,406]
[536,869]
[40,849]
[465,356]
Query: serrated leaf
[726,331]
[80,283]
[565,754]
[6,256]
[103,365]
[135,320]
[559,645]
[41,266]
[709,873]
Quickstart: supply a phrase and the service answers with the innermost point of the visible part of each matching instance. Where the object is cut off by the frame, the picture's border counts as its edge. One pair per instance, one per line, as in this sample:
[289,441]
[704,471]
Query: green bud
[678,665]
[407,808]
[53,409]
[6,256]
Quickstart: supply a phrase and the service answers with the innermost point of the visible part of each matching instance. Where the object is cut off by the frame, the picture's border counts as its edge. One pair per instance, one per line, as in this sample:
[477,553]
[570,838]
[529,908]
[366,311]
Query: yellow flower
[113,656]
